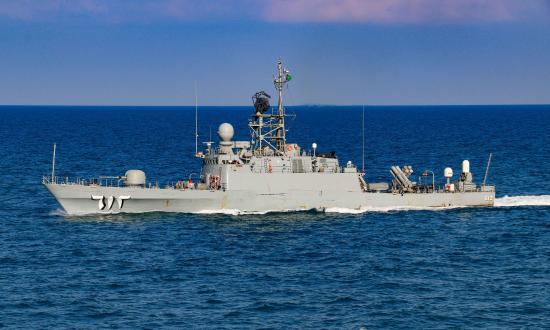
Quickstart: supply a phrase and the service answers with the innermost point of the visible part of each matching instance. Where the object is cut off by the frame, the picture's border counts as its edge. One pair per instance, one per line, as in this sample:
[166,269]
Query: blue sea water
[457,268]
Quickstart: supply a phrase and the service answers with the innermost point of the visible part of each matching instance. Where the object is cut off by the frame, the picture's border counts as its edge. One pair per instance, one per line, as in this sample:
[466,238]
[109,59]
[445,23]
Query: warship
[268,174]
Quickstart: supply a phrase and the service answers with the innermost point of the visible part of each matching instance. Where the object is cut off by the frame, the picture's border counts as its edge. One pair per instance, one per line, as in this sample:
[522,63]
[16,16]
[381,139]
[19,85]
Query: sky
[340,52]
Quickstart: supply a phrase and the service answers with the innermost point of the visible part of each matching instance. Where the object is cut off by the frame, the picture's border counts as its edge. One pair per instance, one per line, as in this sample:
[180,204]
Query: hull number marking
[104,203]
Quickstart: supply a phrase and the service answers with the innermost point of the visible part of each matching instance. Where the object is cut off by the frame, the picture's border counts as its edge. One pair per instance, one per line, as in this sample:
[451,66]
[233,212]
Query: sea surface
[456,268]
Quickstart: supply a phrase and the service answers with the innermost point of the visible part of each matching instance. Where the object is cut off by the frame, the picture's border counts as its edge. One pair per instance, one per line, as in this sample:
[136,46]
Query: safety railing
[101,181]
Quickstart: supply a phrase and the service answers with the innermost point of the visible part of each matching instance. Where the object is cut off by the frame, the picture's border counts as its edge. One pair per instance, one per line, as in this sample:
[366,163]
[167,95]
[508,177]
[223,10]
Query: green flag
[288,77]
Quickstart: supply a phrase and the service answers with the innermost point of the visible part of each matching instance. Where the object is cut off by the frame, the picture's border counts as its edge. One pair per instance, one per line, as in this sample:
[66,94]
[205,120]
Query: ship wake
[527,200]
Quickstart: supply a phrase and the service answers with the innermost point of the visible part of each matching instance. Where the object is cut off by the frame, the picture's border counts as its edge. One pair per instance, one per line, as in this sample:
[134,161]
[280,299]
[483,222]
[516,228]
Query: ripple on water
[350,269]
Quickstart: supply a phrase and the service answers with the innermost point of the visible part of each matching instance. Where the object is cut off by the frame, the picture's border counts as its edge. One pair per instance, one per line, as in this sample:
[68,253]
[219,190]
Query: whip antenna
[487,169]
[53,162]
[363,126]
[196,122]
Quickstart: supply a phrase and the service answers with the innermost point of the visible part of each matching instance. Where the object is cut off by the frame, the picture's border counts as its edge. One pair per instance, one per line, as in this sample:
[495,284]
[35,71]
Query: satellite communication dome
[134,178]
[225,132]
[466,166]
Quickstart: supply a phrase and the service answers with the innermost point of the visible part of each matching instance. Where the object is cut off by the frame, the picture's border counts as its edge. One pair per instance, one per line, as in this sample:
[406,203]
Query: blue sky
[145,52]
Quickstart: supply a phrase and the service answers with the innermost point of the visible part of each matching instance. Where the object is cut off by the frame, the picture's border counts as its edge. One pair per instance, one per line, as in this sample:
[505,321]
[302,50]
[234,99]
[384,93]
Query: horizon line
[295,105]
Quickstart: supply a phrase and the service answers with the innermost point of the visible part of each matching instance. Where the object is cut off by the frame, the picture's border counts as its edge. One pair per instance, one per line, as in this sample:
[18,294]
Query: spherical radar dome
[225,132]
[135,178]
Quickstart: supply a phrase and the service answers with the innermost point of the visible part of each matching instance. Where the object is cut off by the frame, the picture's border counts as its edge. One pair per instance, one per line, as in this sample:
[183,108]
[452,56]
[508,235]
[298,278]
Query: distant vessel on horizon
[267,174]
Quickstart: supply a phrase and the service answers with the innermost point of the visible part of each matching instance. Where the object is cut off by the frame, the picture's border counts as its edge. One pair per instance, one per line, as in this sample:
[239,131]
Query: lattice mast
[268,129]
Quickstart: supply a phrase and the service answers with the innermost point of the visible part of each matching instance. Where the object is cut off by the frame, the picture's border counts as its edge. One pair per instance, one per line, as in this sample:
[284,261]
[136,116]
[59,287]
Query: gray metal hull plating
[78,199]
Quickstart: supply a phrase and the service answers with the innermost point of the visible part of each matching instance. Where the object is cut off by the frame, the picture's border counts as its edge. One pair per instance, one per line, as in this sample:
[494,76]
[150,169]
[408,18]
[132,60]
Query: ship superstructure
[267,173]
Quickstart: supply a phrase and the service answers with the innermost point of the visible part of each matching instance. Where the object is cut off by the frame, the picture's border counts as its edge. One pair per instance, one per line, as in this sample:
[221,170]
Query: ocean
[390,269]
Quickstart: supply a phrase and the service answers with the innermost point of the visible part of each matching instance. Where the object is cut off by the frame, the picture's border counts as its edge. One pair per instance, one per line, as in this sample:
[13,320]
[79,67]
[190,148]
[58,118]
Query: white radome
[134,178]
[226,132]
[466,166]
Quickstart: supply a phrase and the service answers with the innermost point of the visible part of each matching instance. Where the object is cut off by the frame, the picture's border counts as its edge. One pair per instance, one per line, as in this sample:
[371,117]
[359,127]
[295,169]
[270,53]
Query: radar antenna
[274,136]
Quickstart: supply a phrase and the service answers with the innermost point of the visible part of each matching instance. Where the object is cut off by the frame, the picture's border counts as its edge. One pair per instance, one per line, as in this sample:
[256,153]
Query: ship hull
[78,199]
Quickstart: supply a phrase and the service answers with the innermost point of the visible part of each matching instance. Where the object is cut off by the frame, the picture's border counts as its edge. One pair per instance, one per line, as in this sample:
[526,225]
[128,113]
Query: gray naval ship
[268,174]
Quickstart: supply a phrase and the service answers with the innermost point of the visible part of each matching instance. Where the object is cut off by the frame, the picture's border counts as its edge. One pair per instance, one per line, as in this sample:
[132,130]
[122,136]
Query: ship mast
[283,76]
[274,136]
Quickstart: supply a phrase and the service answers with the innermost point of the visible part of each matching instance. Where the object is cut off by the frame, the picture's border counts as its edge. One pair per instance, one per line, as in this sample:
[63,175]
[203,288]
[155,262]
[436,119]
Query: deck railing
[109,182]
[101,181]
[106,182]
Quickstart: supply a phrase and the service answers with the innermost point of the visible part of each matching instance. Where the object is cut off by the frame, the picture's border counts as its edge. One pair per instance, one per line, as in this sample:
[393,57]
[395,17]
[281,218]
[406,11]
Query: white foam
[241,212]
[527,200]
[387,209]
[236,212]
[58,212]
[224,211]
[343,210]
